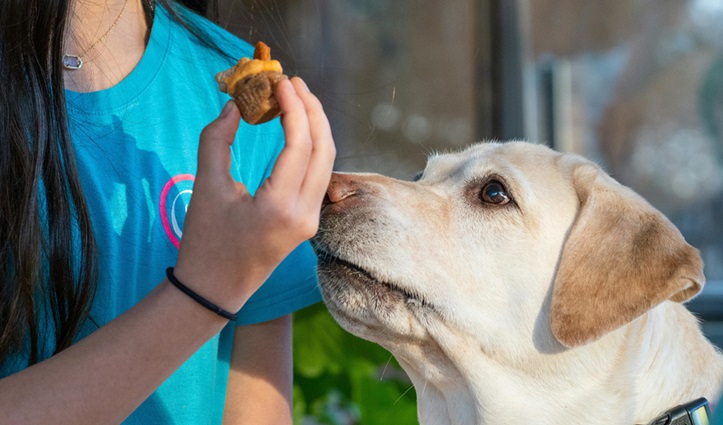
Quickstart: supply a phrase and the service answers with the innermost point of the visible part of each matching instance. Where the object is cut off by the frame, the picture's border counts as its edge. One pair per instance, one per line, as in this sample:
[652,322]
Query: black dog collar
[695,412]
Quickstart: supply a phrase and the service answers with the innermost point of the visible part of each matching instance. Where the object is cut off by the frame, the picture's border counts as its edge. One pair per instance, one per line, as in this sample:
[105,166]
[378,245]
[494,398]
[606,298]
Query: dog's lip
[329,258]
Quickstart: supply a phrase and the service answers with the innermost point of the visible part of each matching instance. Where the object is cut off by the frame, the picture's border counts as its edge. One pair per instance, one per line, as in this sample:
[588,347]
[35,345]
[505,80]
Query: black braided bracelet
[199,299]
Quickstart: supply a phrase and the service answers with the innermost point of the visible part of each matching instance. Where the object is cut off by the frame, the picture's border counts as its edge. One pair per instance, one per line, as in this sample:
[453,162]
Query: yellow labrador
[518,285]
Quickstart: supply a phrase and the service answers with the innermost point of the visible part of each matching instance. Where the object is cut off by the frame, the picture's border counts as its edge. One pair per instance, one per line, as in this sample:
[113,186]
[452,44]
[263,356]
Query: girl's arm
[260,383]
[104,377]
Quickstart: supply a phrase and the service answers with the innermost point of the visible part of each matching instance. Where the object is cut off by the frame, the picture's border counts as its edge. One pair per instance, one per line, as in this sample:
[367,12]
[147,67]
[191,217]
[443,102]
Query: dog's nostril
[337,196]
[339,190]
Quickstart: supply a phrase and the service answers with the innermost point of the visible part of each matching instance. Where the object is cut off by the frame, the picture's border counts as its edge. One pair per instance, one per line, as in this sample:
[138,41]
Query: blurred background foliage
[340,379]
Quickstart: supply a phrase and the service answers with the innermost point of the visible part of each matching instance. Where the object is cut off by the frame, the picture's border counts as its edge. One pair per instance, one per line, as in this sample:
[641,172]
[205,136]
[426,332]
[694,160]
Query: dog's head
[500,242]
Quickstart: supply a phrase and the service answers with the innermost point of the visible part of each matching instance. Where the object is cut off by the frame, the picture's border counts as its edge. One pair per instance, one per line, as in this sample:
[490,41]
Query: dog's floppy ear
[621,258]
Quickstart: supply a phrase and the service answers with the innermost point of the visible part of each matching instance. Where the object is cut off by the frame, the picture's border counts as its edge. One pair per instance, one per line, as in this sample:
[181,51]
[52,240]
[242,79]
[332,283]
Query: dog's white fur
[560,307]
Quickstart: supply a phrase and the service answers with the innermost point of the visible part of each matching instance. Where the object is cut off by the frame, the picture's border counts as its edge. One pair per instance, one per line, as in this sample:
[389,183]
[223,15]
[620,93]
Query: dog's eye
[494,193]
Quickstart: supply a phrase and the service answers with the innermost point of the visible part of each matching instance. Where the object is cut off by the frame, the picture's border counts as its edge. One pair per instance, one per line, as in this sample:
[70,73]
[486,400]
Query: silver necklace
[74,62]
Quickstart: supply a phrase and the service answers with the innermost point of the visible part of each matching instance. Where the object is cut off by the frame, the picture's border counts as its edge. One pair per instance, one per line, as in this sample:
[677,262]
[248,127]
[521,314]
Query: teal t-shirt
[717,412]
[136,150]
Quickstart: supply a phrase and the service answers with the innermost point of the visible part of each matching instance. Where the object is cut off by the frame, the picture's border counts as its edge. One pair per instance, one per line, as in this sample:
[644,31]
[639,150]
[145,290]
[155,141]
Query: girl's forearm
[104,377]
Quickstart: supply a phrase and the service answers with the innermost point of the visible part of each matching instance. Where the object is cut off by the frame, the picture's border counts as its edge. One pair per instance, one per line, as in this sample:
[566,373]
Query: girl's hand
[233,241]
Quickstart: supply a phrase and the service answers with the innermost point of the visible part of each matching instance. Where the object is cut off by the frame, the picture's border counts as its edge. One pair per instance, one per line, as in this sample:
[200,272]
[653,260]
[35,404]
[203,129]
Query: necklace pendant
[72,62]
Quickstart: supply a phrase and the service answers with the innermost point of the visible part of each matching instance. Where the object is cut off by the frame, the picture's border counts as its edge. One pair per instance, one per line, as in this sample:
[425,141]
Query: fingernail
[227,108]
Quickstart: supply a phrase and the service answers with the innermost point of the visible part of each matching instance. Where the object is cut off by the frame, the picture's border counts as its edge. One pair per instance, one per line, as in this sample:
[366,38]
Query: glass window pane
[397,78]
[638,86]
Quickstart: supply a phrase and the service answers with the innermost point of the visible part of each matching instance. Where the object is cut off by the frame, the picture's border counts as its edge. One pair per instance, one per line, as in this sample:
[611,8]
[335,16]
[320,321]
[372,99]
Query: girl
[102,107]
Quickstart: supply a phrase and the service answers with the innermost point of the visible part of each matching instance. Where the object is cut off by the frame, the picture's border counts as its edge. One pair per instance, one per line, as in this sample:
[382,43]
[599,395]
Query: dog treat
[252,84]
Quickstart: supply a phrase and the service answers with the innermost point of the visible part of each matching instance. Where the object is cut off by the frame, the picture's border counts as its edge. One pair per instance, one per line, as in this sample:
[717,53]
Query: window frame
[512,107]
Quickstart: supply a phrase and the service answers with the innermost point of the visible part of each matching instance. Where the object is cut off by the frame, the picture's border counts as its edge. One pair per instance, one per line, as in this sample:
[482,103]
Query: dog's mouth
[330,263]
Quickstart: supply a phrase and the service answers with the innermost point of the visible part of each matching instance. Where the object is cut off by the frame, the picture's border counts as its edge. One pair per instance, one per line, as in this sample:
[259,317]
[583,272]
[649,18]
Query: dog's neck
[443,394]
[560,387]
[699,365]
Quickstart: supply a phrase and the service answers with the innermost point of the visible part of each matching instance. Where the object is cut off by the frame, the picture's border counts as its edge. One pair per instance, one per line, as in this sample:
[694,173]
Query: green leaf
[337,377]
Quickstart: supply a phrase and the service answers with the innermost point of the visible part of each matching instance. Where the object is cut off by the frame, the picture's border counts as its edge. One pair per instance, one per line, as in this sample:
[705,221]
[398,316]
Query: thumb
[216,138]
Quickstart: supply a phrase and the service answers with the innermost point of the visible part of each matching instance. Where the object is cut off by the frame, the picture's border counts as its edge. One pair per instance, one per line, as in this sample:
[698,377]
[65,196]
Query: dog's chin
[367,307]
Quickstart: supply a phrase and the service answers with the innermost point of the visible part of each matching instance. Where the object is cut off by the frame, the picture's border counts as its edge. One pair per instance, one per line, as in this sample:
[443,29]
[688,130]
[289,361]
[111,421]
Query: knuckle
[332,151]
[309,227]
[281,214]
[314,103]
[304,227]
[206,133]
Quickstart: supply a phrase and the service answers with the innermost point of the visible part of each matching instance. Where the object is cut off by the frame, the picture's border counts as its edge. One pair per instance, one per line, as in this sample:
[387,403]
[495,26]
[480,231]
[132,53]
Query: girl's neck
[112,55]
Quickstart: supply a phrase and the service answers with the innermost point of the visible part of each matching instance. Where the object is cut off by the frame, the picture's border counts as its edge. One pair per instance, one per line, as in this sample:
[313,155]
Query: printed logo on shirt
[175,197]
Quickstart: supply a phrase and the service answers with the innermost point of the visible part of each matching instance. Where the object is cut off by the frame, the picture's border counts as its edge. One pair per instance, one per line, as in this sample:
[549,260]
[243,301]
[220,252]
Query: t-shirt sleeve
[291,287]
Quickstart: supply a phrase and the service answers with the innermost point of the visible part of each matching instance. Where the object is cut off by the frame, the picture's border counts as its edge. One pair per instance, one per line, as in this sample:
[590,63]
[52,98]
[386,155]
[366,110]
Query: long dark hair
[44,219]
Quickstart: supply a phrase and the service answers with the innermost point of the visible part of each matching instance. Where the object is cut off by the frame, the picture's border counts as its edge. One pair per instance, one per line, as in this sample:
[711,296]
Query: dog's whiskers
[403,394]
[381,377]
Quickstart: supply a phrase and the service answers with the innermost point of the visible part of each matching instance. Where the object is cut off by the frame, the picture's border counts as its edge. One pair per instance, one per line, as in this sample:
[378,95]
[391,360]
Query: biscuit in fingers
[252,84]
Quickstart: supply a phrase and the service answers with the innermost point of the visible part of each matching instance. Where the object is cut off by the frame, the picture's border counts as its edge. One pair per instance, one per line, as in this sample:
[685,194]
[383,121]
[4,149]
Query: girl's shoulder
[208,33]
